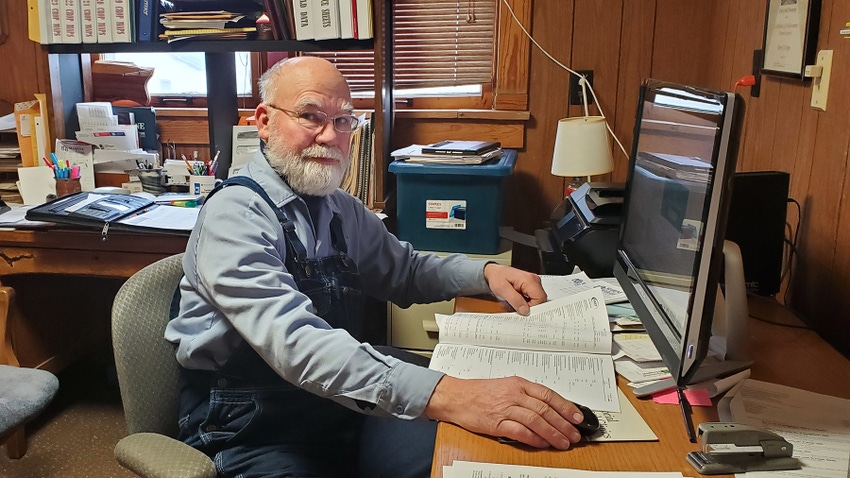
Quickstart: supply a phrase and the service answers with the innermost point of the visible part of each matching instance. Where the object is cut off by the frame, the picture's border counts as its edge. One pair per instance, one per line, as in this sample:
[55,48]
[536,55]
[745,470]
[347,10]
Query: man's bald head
[302,70]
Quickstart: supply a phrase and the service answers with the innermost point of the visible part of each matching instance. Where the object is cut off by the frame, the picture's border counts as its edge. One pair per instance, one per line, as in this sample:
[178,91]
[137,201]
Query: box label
[445,214]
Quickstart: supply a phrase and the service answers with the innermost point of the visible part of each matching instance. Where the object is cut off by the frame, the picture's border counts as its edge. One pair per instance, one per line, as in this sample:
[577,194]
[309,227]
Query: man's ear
[261,115]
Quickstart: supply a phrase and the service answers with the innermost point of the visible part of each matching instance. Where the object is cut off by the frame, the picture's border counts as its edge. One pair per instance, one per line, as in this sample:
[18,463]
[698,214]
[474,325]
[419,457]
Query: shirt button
[222,382]
[399,408]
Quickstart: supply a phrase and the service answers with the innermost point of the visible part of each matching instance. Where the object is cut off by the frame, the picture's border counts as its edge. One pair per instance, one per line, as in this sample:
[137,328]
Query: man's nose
[327,133]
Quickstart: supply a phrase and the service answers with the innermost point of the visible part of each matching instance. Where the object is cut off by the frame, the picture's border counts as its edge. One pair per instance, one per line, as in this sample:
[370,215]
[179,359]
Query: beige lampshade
[582,147]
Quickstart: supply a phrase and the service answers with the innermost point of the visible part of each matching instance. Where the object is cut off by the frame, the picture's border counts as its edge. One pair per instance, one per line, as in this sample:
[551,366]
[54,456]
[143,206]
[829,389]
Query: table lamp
[582,149]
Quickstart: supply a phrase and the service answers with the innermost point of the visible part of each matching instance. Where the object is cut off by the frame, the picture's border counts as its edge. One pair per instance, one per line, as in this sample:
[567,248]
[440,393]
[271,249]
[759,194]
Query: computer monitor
[671,250]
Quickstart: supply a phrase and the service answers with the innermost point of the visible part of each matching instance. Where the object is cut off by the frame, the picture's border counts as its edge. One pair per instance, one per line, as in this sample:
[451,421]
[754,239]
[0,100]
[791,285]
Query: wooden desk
[787,356]
[65,251]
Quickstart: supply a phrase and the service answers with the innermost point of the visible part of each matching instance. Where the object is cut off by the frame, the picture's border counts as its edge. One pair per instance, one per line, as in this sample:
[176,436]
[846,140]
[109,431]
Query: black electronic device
[460,148]
[590,425]
[757,217]
[672,248]
[584,231]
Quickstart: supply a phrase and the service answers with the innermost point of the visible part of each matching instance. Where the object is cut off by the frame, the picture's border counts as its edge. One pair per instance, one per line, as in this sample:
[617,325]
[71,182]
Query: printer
[584,230]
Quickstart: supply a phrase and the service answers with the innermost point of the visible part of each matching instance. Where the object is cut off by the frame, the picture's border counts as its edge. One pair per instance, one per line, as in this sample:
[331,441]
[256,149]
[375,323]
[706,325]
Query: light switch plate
[820,86]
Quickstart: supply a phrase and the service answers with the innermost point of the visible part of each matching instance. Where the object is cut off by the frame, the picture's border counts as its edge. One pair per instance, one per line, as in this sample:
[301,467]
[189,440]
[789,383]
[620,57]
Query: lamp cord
[582,78]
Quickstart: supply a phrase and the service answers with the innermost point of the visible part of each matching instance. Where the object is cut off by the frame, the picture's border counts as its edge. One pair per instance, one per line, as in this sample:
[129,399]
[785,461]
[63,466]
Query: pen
[214,164]
[686,414]
[188,166]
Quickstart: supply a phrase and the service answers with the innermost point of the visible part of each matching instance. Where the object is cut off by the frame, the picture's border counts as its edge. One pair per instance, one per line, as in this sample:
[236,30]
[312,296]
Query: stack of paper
[467,469]
[817,425]
[99,127]
[205,24]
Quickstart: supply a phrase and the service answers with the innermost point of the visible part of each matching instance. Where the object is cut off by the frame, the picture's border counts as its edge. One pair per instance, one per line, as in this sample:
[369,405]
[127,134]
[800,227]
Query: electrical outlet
[576,90]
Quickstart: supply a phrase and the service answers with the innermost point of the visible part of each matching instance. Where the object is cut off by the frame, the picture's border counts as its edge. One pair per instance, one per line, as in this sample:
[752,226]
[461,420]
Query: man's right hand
[510,407]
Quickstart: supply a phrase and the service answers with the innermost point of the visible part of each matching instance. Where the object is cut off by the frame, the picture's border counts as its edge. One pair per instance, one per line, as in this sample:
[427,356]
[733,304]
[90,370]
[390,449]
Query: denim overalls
[247,416]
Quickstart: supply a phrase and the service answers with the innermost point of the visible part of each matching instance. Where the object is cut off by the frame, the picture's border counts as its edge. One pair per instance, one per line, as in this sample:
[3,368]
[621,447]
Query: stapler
[735,448]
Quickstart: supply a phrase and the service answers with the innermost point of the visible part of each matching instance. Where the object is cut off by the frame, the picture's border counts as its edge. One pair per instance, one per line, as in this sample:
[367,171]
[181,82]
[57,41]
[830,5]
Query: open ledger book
[564,344]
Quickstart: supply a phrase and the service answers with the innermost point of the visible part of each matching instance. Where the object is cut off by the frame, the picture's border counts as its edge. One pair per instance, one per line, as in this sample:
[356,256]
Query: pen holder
[202,184]
[66,186]
[151,180]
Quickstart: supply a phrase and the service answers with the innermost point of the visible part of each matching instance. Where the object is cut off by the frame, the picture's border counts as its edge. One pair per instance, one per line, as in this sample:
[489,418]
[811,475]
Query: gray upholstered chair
[24,392]
[148,376]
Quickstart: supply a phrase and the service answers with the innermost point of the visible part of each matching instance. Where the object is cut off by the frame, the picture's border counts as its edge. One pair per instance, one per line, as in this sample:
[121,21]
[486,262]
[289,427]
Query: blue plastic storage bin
[452,208]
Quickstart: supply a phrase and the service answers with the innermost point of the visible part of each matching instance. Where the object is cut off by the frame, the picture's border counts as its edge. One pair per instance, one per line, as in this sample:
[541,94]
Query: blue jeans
[262,426]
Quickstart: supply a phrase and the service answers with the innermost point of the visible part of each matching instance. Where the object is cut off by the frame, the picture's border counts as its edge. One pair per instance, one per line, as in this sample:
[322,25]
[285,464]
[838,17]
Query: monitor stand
[728,347]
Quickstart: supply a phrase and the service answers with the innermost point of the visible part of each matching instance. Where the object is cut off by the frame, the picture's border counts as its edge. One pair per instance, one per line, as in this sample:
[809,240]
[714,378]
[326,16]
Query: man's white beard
[303,175]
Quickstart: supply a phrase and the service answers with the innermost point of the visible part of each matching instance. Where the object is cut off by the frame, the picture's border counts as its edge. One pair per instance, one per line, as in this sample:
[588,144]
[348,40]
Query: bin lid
[503,167]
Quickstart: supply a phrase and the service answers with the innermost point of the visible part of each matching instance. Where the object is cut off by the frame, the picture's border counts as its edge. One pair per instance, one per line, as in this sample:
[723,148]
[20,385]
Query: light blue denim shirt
[236,287]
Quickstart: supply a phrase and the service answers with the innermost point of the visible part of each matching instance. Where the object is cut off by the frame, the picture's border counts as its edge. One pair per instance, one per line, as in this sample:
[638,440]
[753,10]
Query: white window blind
[435,43]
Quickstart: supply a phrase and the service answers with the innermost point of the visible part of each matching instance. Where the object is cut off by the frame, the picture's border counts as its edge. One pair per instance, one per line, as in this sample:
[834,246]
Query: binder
[112,212]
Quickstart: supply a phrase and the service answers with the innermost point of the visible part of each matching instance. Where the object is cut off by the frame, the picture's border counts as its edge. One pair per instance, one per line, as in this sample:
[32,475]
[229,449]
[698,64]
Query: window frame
[508,90]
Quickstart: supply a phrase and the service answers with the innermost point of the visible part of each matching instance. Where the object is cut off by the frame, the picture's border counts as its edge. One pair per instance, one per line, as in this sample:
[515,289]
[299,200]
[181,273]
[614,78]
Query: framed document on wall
[790,37]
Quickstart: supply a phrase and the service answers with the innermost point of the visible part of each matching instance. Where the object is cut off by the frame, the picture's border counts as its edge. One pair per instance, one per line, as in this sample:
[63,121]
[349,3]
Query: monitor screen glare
[670,252]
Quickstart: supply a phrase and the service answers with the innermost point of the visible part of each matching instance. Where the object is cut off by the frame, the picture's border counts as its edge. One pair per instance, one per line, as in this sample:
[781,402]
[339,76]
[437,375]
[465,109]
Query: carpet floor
[75,435]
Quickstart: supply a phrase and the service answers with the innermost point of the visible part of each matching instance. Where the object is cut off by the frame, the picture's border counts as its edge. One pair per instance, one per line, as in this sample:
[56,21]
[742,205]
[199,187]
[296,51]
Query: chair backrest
[148,372]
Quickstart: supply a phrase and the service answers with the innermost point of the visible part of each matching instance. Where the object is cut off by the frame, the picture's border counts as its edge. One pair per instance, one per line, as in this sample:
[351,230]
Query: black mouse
[590,424]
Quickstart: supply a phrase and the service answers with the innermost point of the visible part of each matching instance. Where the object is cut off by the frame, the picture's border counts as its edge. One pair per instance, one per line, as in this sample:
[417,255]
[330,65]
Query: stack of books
[450,152]
[360,179]
[320,19]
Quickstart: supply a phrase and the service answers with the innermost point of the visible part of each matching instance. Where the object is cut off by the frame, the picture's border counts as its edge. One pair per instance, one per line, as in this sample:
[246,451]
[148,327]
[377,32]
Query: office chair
[24,393]
[148,376]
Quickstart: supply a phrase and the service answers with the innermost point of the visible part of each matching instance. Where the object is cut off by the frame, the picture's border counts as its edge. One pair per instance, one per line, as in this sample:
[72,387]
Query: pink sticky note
[697,398]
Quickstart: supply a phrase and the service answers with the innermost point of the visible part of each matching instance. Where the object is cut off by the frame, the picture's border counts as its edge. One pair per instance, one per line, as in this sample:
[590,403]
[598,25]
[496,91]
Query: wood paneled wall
[707,43]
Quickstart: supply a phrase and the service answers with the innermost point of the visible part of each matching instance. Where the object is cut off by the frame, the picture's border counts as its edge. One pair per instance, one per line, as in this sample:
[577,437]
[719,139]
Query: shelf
[211,46]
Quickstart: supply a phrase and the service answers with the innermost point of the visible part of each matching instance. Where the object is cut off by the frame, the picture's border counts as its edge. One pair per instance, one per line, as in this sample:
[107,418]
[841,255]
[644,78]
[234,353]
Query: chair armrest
[152,455]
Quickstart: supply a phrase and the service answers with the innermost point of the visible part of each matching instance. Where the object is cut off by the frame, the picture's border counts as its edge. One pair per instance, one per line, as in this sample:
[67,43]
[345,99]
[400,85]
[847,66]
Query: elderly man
[276,381]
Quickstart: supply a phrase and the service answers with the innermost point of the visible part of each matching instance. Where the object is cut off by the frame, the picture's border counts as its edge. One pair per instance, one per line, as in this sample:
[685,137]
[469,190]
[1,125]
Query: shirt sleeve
[392,270]
[237,268]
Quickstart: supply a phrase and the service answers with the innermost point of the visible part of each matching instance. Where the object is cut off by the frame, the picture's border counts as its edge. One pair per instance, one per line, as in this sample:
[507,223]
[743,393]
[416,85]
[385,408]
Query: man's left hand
[518,288]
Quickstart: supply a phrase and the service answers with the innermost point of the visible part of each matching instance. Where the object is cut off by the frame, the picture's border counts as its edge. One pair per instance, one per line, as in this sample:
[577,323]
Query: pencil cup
[202,184]
[67,186]
[151,180]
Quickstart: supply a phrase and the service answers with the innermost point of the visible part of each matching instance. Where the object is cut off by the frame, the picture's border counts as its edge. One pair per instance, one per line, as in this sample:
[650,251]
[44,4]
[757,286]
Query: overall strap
[287,225]
[337,237]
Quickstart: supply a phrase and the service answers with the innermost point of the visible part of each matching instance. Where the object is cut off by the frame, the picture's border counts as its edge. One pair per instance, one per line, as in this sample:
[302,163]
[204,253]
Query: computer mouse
[590,424]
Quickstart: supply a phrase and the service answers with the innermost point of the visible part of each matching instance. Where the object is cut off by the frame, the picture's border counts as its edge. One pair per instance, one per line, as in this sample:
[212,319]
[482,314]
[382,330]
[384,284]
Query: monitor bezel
[683,352]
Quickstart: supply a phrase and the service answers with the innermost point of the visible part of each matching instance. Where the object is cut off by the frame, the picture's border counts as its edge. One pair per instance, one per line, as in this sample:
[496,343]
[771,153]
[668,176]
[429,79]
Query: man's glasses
[315,120]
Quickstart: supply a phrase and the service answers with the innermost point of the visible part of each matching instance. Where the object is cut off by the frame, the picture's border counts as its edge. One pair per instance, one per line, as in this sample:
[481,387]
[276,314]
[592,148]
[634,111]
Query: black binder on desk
[119,212]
